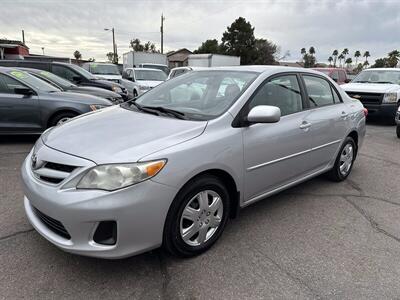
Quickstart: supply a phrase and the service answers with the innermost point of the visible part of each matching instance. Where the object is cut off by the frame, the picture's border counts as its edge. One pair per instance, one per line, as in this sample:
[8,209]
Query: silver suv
[171,167]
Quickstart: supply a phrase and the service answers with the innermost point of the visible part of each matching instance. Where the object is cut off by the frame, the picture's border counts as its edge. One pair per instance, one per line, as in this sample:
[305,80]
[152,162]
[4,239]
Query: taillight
[365,111]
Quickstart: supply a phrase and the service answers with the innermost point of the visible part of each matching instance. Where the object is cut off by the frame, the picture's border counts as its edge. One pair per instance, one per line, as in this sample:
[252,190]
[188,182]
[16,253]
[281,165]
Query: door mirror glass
[23,91]
[264,114]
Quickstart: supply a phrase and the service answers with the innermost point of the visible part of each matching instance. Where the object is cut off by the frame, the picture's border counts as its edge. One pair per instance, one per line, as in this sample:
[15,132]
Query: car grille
[55,226]
[51,172]
[367,98]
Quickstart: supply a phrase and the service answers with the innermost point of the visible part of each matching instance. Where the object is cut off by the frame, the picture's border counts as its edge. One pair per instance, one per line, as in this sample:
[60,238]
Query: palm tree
[303,52]
[330,59]
[348,62]
[340,57]
[345,52]
[312,51]
[366,63]
[77,55]
[357,54]
[366,55]
[335,54]
[393,58]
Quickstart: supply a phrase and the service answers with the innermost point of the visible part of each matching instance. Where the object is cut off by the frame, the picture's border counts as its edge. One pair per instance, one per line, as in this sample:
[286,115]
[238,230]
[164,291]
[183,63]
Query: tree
[110,57]
[340,57]
[366,55]
[380,63]
[309,60]
[357,55]
[137,46]
[335,55]
[239,40]
[358,69]
[366,64]
[77,55]
[393,59]
[303,51]
[345,52]
[264,52]
[348,62]
[311,51]
[209,46]
[330,59]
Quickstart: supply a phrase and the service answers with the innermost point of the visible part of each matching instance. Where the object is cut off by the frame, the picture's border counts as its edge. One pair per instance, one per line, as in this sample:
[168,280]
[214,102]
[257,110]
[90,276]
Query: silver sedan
[170,168]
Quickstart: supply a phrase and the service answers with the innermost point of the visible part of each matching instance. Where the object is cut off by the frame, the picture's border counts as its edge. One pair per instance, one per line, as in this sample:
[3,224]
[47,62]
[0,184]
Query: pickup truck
[378,90]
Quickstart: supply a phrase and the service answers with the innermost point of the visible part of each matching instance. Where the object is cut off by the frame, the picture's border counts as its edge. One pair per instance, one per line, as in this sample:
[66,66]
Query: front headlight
[116,89]
[390,98]
[116,176]
[97,106]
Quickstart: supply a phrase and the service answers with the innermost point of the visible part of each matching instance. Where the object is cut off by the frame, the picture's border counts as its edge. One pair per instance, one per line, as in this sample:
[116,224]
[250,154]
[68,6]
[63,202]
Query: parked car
[175,72]
[188,165]
[111,72]
[398,122]
[29,105]
[145,78]
[70,72]
[68,86]
[339,75]
[161,67]
[378,90]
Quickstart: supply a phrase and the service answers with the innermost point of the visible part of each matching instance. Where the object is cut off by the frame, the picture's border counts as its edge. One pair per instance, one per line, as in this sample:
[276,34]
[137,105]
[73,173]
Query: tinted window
[64,72]
[319,91]
[8,84]
[283,92]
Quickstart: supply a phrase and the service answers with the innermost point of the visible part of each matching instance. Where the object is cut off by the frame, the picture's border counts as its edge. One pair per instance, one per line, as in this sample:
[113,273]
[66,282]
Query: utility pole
[162,33]
[23,37]
[115,54]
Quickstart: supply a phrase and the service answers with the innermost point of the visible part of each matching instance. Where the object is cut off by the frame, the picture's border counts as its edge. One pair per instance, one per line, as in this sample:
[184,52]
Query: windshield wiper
[382,82]
[175,113]
[361,81]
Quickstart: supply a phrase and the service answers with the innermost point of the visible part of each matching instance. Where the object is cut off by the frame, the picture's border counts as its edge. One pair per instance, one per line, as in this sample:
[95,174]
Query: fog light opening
[106,233]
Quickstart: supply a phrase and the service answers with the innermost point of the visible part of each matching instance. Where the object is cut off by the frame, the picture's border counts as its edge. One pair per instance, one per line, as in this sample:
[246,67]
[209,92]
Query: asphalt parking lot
[317,240]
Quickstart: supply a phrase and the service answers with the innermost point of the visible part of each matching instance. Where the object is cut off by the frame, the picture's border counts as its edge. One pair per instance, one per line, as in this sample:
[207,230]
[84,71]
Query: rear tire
[398,131]
[135,93]
[197,217]
[61,118]
[344,161]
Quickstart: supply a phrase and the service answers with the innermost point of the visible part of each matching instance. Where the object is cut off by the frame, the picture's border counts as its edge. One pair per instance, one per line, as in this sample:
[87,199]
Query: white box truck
[133,59]
[212,60]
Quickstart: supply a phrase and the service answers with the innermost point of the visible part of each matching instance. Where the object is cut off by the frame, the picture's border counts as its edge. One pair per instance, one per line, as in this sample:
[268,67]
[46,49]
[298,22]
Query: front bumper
[139,211]
[386,111]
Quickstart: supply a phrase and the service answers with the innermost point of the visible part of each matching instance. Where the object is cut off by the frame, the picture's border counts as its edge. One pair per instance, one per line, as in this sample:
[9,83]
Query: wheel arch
[60,111]
[354,135]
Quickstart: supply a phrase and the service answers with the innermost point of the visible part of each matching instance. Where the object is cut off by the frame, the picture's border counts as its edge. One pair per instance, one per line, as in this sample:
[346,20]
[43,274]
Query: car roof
[151,64]
[329,69]
[383,69]
[261,69]
[5,69]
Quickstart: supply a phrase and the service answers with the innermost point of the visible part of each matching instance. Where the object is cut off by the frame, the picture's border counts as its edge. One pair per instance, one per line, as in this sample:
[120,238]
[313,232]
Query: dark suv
[70,72]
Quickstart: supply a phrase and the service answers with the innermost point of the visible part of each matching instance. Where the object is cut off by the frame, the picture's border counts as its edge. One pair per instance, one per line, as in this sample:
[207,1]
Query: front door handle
[305,125]
[344,114]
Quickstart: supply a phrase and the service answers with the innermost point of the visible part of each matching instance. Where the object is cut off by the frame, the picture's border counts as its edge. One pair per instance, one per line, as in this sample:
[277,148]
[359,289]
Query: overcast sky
[63,26]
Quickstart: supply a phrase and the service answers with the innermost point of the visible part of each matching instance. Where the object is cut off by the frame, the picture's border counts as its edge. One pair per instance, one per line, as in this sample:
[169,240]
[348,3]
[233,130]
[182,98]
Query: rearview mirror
[264,114]
[23,91]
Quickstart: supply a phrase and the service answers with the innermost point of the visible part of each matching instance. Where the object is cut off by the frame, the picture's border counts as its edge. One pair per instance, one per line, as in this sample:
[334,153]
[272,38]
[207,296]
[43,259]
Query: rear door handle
[305,125]
[344,114]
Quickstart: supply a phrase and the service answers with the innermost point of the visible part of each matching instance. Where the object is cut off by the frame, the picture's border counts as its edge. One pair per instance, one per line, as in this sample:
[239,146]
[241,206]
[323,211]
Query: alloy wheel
[346,159]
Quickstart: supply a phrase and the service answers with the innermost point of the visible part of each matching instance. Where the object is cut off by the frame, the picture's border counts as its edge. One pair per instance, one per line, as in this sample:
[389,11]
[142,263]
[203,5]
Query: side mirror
[23,91]
[264,114]
[347,80]
[77,79]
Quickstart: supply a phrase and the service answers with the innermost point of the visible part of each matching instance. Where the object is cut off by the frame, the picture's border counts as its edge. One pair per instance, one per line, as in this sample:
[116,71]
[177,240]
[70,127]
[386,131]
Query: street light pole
[162,33]
[115,57]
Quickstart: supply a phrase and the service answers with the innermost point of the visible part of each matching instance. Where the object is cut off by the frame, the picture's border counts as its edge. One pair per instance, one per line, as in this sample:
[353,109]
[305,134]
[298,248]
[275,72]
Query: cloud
[62,27]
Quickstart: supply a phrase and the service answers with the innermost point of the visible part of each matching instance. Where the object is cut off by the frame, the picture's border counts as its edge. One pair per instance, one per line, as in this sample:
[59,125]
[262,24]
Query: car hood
[74,97]
[108,77]
[370,87]
[149,83]
[94,91]
[118,135]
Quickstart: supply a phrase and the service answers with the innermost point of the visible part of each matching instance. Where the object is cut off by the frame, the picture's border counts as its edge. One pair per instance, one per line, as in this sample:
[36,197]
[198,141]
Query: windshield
[103,69]
[83,72]
[163,68]
[56,79]
[150,75]
[200,95]
[378,76]
[33,81]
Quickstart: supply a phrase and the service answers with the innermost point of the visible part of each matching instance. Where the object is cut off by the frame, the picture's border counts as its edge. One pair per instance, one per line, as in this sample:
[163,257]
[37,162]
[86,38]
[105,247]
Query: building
[178,58]
[10,49]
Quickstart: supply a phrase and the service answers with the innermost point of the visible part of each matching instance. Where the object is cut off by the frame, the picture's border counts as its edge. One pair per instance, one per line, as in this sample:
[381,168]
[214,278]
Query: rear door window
[319,91]
[64,72]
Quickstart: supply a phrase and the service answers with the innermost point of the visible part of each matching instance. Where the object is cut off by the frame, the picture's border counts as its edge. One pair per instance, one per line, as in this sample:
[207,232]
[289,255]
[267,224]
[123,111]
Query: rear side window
[64,72]
[335,75]
[319,91]
[8,84]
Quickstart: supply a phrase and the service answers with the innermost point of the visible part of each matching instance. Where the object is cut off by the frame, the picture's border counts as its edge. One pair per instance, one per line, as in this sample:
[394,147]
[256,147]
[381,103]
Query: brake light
[365,111]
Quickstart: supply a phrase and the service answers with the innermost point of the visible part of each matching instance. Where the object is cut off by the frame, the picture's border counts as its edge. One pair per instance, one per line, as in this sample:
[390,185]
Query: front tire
[344,161]
[398,131]
[197,217]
